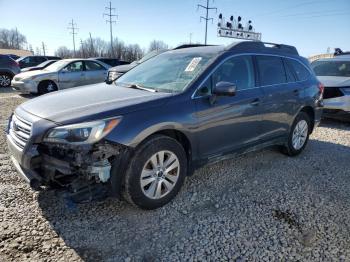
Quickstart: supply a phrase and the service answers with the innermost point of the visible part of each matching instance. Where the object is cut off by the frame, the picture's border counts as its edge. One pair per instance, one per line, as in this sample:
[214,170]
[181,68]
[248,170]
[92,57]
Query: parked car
[111,61]
[28,61]
[14,57]
[8,68]
[117,71]
[165,118]
[334,73]
[39,67]
[62,74]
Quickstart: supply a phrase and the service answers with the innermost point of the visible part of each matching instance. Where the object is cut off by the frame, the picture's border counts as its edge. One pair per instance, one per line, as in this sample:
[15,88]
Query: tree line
[90,47]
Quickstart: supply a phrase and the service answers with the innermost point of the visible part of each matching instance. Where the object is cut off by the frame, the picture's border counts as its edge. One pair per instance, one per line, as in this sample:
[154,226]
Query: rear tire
[156,173]
[298,135]
[47,86]
[5,79]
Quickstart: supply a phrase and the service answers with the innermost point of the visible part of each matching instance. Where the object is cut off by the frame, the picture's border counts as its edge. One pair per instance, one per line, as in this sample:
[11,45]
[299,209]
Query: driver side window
[238,70]
[74,67]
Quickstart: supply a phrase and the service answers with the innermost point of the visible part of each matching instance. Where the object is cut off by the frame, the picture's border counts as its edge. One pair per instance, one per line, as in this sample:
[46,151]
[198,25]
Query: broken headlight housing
[82,133]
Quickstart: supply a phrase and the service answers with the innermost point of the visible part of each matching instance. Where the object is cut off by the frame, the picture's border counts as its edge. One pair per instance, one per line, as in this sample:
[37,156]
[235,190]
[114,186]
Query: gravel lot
[262,206]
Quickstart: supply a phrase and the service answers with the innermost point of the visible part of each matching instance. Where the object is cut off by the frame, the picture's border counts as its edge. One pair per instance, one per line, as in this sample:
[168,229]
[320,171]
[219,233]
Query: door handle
[255,102]
[296,92]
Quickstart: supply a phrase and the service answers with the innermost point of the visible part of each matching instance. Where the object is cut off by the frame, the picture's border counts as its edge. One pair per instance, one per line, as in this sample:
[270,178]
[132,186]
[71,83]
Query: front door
[95,73]
[229,123]
[72,75]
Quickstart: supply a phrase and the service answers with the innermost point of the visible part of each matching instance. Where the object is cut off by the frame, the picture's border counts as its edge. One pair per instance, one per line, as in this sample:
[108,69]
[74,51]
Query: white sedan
[62,74]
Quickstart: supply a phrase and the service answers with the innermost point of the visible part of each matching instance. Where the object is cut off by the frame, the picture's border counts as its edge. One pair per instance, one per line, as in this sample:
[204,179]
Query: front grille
[332,92]
[20,131]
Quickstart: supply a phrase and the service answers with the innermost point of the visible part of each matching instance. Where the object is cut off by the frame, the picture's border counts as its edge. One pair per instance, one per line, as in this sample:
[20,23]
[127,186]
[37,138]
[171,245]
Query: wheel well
[310,111]
[181,138]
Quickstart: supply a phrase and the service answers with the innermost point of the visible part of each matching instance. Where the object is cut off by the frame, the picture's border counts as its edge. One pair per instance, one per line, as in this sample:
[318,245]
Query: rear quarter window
[300,70]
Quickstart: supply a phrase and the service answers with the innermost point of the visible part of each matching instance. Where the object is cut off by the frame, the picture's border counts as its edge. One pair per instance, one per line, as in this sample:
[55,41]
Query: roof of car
[244,46]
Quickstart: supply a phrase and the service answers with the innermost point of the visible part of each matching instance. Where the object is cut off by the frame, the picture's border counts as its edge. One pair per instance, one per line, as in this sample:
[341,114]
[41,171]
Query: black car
[28,61]
[40,66]
[156,124]
[8,69]
[111,61]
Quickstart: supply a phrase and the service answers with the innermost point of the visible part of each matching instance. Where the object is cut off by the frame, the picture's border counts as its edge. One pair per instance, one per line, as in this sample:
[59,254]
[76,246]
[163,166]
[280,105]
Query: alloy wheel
[5,80]
[300,134]
[160,174]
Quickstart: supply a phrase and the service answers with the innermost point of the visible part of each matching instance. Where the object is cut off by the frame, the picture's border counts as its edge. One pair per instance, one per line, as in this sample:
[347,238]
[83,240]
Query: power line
[206,18]
[110,21]
[73,27]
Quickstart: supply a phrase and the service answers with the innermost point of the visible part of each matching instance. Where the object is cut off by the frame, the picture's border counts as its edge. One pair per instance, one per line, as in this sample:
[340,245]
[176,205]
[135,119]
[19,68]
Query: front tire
[47,86]
[299,135]
[5,79]
[156,172]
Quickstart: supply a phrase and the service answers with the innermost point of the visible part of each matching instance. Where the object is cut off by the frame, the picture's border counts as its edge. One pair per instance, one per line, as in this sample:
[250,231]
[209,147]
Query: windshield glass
[331,68]
[168,72]
[57,65]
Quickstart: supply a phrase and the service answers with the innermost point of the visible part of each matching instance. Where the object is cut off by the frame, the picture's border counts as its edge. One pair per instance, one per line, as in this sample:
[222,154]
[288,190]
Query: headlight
[112,75]
[83,133]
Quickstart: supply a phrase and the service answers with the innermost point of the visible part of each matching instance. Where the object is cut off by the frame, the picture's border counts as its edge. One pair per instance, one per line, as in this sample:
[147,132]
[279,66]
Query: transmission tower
[206,18]
[73,28]
[111,22]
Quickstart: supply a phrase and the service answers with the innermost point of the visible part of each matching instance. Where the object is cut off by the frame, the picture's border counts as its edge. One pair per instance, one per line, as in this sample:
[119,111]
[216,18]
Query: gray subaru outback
[141,136]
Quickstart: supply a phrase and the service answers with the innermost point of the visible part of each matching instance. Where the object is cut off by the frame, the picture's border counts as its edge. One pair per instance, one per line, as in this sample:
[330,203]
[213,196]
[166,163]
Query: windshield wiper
[138,86]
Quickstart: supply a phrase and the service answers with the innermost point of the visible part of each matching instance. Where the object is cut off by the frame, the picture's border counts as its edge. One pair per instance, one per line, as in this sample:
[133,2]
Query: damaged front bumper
[88,172]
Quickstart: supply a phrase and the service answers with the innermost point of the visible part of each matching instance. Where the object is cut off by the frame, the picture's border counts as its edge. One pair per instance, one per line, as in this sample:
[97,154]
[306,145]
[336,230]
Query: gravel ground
[263,206]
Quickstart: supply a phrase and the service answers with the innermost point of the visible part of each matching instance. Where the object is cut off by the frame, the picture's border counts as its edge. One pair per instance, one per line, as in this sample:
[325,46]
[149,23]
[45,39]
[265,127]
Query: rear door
[230,123]
[281,95]
[94,72]
[72,75]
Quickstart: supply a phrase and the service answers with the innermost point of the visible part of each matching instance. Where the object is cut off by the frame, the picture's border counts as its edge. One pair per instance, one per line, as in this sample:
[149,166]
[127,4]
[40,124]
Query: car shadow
[114,230]
[332,123]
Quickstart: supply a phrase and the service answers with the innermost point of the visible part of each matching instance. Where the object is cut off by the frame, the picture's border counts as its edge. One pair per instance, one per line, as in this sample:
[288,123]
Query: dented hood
[92,102]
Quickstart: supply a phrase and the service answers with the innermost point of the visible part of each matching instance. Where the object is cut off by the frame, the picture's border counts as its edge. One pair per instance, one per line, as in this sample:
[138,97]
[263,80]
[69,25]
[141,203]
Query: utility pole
[92,51]
[17,42]
[82,47]
[73,27]
[206,18]
[110,21]
[44,48]
[190,38]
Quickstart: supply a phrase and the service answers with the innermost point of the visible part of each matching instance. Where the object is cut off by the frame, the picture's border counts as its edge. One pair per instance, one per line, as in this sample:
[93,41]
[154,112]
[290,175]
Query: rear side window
[238,70]
[271,70]
[289,72]
[300,71]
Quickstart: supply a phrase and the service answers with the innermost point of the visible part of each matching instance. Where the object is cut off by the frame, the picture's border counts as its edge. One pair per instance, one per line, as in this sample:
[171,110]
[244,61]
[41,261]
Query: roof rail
[258,45]
[189,45]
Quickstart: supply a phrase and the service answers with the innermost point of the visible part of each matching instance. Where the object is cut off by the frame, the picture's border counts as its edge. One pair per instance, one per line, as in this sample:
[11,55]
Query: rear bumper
[24,86]
[338,103]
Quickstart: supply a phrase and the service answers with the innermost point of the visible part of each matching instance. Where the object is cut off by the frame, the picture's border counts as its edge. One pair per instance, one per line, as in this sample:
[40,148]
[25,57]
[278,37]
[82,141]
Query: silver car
[334,73]
[63,74]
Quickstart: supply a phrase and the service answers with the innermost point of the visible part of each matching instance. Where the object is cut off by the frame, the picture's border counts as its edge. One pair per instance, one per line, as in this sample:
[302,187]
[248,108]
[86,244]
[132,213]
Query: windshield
[331,68]
[57,65]
[168,72]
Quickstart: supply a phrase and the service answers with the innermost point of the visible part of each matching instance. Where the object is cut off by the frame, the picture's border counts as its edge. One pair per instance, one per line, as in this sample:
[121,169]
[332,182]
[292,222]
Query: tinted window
[289,72]
[92,66]
[39,59]
[331,68]
[238,70]
[271,70]
[74,67]
[300,71]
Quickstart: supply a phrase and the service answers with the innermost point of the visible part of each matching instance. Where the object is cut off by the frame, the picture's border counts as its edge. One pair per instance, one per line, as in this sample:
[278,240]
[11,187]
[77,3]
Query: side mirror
[224,89]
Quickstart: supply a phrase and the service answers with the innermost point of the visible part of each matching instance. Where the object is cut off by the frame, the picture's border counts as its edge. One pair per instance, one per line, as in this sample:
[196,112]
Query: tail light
[321,88]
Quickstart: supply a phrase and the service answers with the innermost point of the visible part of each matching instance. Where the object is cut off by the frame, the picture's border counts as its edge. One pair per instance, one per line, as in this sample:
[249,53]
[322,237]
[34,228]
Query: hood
[26,69]
[334,81]
[123,68]
[91,102]
[28,74]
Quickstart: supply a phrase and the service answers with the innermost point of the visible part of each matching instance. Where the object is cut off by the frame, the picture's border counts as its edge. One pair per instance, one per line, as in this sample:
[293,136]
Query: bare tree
[12,39]
[157,45]
[64,52]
